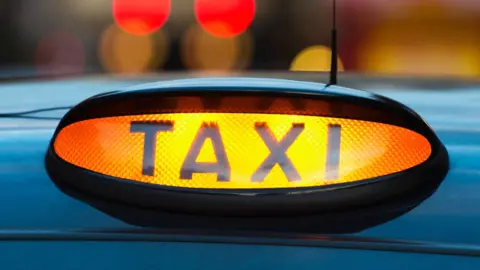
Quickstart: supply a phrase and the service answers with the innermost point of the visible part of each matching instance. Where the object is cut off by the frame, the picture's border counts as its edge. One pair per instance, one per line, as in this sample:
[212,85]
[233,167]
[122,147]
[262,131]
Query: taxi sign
[243,148]
[240,151]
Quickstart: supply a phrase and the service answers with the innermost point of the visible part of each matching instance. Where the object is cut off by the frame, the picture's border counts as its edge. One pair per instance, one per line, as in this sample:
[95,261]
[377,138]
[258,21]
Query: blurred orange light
[60,52]
[425,38]
[141,17]
[121,52]
[225,18]
[201,51]
[239,150]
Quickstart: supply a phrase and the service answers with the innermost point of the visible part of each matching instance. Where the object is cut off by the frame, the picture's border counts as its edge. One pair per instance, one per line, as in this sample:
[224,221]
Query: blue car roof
[29,201]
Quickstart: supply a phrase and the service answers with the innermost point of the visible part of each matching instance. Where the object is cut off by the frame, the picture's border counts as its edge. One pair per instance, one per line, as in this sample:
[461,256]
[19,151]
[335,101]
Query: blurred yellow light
[239,150]
[314,58]
[121,52]
[424,38]
[202,51]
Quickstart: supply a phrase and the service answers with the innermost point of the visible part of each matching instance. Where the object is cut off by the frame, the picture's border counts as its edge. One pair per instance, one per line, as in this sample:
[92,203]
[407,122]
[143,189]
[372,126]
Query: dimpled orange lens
[239,151]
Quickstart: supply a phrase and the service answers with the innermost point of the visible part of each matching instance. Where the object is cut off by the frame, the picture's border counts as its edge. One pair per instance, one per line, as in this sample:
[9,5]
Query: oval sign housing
[230,149]
[240,150]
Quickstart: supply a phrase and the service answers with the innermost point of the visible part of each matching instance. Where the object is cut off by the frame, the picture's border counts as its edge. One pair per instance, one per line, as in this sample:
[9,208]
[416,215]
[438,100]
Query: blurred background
[400,37]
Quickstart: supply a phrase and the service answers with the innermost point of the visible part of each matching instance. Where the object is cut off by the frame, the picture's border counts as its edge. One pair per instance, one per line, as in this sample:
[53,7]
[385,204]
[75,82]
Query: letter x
[278,151]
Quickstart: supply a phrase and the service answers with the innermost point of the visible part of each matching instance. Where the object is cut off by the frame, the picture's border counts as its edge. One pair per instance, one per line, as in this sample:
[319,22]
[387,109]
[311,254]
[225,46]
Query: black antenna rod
[333,63]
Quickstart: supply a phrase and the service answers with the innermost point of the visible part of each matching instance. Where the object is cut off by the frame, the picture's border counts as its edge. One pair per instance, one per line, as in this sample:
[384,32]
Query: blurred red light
[141,17]
[225,18]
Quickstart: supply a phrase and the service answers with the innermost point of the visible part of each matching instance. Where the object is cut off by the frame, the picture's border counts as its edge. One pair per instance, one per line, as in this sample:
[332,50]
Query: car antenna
[333,45]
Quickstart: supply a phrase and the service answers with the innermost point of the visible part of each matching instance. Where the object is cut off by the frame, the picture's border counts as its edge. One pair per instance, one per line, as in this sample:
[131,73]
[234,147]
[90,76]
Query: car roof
[449,216]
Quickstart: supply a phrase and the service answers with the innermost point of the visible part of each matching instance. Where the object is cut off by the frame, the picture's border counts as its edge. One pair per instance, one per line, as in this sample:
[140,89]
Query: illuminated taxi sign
[240,150]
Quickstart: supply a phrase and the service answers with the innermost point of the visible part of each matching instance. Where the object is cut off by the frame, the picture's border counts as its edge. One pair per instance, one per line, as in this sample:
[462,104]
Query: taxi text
[221,167]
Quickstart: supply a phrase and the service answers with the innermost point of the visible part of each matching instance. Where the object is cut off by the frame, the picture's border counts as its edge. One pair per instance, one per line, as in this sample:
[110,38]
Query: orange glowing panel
[141,17]
[239,151]
[225,18]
